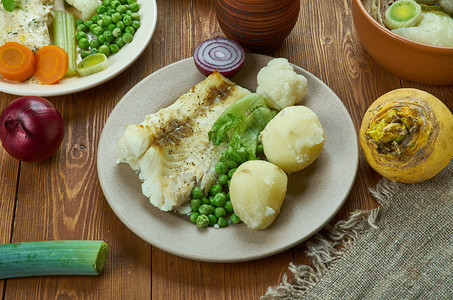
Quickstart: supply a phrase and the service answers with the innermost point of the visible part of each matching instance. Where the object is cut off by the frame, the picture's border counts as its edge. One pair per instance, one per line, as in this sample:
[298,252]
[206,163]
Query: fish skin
[170,149]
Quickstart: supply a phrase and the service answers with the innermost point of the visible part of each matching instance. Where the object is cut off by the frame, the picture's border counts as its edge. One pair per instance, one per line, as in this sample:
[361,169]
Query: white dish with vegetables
[117,62]
[313,197]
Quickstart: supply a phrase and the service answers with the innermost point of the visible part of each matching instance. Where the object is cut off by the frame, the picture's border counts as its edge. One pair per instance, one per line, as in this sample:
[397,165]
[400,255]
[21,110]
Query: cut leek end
[101,258]
[91,64]
[403,13]
[68,257]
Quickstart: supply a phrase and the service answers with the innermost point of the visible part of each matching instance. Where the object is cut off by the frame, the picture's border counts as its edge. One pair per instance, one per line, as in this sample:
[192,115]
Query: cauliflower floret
[280,84]
[86,7]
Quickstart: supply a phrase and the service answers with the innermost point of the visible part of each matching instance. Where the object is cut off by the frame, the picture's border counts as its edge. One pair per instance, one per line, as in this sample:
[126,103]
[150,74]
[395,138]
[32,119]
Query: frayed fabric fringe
[325,249]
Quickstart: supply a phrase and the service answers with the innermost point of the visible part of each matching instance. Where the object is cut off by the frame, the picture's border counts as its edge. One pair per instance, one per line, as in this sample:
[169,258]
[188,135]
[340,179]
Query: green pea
[135,16]
[117,32]
[127,20]
[82,27]
[94,50]
[95,18]
[206,209]
[106,21]
[194,203]
[219,212]
[135,6]
[101,9]
[221,168]
[193,217]
[129,29]
[119,41]
[216,188]
[79,21]
[223,179]
[94,43]
[228,207]
[111,27]
[131,1]
[116,17]
[80,35]
[98,30]
[121,9]
[92,27]
[104,49]
[202,221]
[115,4]
[88,23]
[211,200]
[84,44]
[107,3]
[108,36]
[223,222]
[84,54]
[212,219]
[101,39]
[123,1]
[197,192]
[110,12]
[219,199]
[120,25]
[232,164]
[235,219]
[259,150]
[228,196]
[127,37]
[231,172]
[205,200]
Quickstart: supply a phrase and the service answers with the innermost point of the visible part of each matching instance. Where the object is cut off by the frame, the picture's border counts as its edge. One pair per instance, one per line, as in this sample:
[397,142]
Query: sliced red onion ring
[221,54]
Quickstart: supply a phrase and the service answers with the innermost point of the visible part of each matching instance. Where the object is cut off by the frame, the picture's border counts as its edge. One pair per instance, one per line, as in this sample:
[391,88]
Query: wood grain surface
[61,198]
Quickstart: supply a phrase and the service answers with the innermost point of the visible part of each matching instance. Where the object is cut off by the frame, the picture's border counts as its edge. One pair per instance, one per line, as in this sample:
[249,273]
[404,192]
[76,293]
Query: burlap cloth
[401,250]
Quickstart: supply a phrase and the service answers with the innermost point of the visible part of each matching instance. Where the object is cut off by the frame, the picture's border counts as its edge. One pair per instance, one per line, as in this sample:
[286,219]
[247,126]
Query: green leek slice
[403,13]
[68,257]
[93,63]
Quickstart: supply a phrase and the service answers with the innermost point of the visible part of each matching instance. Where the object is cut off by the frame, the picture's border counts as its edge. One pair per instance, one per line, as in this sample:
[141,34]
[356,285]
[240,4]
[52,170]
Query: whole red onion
[31,129]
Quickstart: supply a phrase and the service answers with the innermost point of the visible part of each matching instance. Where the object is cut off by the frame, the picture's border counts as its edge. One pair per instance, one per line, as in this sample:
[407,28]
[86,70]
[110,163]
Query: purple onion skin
[31,129]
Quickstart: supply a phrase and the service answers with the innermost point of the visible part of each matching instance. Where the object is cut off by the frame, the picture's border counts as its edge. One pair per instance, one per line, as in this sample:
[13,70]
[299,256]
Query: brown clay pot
[257,25]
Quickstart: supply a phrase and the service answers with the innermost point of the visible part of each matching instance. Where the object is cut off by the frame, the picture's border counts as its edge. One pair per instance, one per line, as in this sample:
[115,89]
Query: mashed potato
[280,85]
[86,7]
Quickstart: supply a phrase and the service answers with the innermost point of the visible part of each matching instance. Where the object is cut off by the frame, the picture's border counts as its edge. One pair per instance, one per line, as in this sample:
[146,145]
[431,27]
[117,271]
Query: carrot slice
[51,64]
[17,62]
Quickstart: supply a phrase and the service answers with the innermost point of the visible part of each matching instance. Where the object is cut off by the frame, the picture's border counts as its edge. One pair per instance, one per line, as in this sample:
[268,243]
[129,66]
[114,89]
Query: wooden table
[61,198]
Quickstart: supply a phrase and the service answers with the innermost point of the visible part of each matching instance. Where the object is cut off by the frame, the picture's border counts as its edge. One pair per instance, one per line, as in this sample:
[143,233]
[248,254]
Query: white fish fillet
[170,149]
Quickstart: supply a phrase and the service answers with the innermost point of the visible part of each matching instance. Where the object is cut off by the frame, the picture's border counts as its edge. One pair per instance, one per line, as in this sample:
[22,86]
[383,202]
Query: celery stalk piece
[67,257]
[64,32]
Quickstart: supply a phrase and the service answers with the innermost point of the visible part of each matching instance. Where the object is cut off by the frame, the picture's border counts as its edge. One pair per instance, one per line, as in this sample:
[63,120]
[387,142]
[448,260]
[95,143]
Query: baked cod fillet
[170,149]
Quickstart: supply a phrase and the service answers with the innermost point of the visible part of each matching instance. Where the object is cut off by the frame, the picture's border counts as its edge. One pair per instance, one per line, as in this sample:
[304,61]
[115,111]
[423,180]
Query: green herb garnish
[10,5]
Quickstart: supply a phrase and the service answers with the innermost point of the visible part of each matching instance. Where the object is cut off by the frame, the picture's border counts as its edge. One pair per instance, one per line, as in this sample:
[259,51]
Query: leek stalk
[67,257]
[64,32]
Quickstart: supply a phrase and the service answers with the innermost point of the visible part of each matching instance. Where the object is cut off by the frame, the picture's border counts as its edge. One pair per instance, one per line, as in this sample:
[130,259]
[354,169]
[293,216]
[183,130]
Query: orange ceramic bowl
[408,59]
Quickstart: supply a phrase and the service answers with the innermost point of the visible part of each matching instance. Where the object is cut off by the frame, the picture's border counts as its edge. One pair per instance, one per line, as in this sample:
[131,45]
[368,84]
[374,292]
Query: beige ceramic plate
[314,194]
[117,63]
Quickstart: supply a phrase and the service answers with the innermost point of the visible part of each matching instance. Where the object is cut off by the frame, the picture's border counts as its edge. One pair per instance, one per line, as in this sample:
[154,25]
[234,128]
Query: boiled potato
[257,190]
[293,139]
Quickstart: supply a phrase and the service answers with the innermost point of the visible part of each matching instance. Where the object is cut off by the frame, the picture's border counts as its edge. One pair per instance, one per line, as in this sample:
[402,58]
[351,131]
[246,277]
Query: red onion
[31,129]
[220,54]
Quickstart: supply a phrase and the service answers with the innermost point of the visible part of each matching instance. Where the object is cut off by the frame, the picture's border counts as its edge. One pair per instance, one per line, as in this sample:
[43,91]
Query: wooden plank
[60,199]
[9,172]
[179,278]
